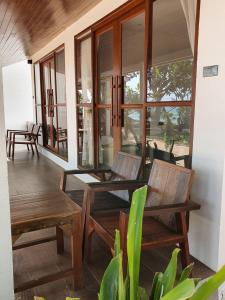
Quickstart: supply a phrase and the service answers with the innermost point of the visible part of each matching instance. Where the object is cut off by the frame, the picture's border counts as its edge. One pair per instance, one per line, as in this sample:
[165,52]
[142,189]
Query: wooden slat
[28,25]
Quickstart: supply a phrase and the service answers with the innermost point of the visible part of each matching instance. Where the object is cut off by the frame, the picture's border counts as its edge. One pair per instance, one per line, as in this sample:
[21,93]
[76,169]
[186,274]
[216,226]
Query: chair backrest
[162,155]
[126,166]
[30,126]
[170,184]
[35,131]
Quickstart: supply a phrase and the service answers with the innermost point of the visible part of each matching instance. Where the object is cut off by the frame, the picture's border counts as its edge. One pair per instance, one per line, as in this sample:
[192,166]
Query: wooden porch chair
[9,132]
[164,221]
[122,176]
[30,139]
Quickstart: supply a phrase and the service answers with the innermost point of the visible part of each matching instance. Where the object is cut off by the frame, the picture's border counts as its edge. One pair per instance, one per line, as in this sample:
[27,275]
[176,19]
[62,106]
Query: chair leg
[182,228]
[13,151]
[36,148]
[9,151]
[59,240]
[89,244]
[32,149]
[76,250]
[28,147]
[185,255]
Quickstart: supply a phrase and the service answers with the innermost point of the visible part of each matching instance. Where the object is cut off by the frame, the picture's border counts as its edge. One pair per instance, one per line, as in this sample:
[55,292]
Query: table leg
[59,240]
[76,250]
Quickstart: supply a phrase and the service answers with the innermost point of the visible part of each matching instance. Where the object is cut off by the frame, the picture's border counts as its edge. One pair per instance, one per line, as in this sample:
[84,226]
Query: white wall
[6,268]
[67,37]
[207,234]
[18,101]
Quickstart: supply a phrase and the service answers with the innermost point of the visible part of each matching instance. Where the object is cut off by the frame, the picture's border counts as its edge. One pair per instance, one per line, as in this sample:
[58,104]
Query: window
[169,88]
[142,84]
[84,94]
[50,94]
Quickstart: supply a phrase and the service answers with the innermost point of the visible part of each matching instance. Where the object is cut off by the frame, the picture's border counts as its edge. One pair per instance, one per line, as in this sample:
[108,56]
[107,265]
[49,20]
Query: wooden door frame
[46,58]
[148,8]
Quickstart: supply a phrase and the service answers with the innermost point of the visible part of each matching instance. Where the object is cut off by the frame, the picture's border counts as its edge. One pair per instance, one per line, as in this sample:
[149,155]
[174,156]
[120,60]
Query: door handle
[120,100]
[113,88]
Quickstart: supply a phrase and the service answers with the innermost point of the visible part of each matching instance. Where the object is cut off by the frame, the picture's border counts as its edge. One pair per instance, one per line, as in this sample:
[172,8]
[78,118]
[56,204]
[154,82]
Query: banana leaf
[182,291]
[134,237]
[110,282]
[157,289]
[169,276]
[186,273]
[206,289]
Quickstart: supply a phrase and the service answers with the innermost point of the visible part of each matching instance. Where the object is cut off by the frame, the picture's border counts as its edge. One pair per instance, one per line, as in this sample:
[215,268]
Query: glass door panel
[132,131]
[120,97]
[50,112]
[85,137]
[105,67]
[105,106]
[133,45]
[61,134]
[168,133]
[105,137]
[60,77]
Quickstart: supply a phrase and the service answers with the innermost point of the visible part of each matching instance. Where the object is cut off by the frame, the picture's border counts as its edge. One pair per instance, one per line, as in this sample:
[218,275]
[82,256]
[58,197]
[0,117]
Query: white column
[6,267]
[207,226]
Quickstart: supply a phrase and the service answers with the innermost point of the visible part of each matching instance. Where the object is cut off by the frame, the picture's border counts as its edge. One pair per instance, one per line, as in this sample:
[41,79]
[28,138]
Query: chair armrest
[11,131]
[79,172]
[119,185]
[173,208]
[88,171]
[182,157]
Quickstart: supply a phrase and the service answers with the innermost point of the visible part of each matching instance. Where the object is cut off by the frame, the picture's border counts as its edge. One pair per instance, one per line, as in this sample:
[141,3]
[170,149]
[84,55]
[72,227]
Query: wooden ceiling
[28,25]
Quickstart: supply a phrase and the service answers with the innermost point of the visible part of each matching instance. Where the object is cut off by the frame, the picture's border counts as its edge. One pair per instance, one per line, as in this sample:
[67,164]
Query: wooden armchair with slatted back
[164,221]
[122,176]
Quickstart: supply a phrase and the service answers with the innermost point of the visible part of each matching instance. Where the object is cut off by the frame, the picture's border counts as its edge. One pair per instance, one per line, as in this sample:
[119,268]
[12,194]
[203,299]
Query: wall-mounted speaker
[29,61]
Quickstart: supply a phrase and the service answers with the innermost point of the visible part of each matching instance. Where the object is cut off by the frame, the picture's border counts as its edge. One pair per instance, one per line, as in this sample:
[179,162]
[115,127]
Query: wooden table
[30,212]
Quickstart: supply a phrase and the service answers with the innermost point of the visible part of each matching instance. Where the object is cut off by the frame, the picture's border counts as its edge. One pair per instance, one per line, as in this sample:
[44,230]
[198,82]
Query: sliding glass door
[141,83]
[120,87]
[51,102]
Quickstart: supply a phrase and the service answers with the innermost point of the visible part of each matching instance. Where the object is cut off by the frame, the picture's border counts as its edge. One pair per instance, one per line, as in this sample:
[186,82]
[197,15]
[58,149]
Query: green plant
[165,285]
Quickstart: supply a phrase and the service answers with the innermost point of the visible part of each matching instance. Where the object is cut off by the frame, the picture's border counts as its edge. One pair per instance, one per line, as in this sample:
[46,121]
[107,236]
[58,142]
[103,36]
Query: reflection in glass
[84,67]
[131,131]
[39,121]
[105,67]
[60,76]
[61,134]
[105,138]
[133,58]
[170,76]
[85,137]
[168,133]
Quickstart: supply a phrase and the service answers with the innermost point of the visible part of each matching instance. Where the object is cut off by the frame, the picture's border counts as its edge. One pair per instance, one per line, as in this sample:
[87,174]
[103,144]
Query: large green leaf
[182,291]
[170,273]
[156,286]
[207,288]
[158,290]
[134,237]
[142,294]
[117,248]
[110,281]
[186,273]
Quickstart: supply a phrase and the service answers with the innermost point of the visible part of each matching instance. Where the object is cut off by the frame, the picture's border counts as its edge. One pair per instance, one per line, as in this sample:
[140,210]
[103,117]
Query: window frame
[115,15]
[39,62]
